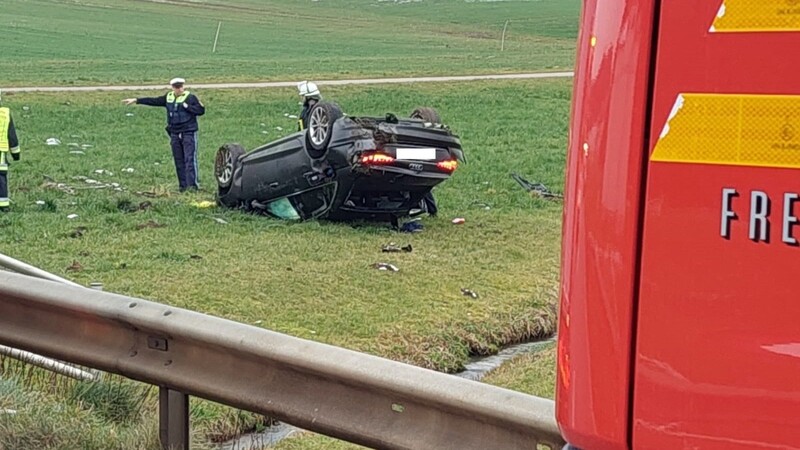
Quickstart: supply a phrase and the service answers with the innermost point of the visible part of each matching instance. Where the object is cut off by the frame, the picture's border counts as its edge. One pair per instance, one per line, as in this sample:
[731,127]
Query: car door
[276,170]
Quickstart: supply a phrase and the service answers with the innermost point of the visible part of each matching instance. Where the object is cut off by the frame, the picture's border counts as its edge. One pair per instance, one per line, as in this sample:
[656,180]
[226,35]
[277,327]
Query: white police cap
[175,81]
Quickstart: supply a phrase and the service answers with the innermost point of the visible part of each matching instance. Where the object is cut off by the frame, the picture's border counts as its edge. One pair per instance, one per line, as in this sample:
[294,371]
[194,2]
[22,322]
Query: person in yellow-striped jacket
[9,144]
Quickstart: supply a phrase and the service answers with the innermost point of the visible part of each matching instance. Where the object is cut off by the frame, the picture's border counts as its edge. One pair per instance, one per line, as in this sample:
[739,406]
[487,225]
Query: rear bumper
[389,178]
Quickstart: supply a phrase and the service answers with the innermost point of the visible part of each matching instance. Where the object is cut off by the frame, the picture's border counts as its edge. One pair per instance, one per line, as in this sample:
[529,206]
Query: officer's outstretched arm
[148,101]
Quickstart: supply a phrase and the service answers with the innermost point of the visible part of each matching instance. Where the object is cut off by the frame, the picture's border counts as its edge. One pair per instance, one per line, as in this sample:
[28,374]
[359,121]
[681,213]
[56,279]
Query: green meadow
[84,42]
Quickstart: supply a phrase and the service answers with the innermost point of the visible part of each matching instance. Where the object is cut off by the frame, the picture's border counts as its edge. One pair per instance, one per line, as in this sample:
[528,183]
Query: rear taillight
[377,159]
[447,166]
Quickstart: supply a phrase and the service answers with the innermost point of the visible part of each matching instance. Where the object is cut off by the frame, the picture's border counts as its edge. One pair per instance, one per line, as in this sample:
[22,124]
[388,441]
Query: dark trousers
[184,152]
[4,202]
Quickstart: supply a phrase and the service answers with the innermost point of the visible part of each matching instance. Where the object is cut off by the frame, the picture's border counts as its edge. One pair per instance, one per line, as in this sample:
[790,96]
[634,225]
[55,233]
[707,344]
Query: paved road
[279,84]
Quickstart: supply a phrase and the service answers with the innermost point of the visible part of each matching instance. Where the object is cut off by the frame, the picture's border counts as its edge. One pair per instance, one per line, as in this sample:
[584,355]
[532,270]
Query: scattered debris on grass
[393,248]
[204,204]
[78,232]
[75,266]
[218,220]
[535,189]
[386,266]
[150,224]
[40,202]
[58,186]
[53,141]
[72,216]
[94,184]
[469,293]
[128,206]
[459,220]
[76,152]
[151,194]
[128,169]
[195,257]
[411,227]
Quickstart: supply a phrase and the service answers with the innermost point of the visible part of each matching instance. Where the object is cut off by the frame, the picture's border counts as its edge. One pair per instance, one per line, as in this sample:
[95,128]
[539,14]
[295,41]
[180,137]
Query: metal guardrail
[47,364]
[27,269]
[348,395]
[9,263]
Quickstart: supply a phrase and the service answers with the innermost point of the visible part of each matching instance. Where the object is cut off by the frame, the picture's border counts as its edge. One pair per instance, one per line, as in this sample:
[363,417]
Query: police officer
[8,144]
[311,96]
[183,108]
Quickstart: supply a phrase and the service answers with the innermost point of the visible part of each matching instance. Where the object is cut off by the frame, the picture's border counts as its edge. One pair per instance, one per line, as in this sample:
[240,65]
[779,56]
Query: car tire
[426,114]
[320,125]
[225,164]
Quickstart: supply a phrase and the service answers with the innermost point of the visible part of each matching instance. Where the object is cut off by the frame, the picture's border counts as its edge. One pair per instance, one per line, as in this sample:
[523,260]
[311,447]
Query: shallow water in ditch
[474,370]
[481,365]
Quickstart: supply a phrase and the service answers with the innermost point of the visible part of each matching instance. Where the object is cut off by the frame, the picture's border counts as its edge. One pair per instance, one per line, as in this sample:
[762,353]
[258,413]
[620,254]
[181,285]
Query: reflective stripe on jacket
[176,113]
[5,122]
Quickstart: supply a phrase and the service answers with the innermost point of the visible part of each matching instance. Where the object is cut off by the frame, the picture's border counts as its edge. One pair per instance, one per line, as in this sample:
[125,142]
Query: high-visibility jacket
[177,115]
[180,119]
[8,138]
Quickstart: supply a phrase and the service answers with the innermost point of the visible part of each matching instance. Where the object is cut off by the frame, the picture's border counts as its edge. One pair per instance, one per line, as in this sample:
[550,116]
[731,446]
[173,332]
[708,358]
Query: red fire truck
[680,296]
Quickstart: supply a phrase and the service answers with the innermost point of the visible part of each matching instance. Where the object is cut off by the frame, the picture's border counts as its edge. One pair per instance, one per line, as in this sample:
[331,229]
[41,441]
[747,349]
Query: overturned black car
[341,167]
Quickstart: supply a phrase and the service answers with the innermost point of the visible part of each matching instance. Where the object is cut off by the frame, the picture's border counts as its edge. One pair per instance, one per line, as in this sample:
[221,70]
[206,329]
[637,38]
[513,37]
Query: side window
[314,202]
[283,209]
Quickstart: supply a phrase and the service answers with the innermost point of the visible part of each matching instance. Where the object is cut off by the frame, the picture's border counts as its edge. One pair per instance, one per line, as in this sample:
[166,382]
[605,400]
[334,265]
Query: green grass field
[79,42]
[314,279]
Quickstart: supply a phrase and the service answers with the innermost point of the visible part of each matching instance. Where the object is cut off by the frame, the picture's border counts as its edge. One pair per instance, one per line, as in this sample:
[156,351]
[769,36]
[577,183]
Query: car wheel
[225,164]
[426,114]
[320,124]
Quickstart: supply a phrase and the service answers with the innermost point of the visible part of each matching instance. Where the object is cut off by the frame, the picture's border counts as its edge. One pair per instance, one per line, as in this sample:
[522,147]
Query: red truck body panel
[718,341]
[680,320]
[601,222]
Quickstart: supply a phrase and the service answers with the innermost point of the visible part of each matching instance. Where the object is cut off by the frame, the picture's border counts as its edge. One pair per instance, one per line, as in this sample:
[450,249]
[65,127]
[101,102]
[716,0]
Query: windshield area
[304,205]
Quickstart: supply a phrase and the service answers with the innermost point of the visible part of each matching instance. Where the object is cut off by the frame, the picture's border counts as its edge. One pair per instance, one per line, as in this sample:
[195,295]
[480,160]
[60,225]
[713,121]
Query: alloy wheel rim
[318,126]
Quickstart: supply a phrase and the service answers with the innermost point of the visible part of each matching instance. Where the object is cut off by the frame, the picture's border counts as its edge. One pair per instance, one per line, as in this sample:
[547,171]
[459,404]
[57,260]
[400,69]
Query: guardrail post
[173,410]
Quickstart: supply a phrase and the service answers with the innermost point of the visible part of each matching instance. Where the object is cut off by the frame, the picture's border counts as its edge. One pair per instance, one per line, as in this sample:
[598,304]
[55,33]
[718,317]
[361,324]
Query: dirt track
[282,84]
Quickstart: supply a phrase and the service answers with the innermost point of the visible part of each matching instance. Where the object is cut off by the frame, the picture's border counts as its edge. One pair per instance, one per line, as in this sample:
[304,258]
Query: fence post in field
[503,38]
